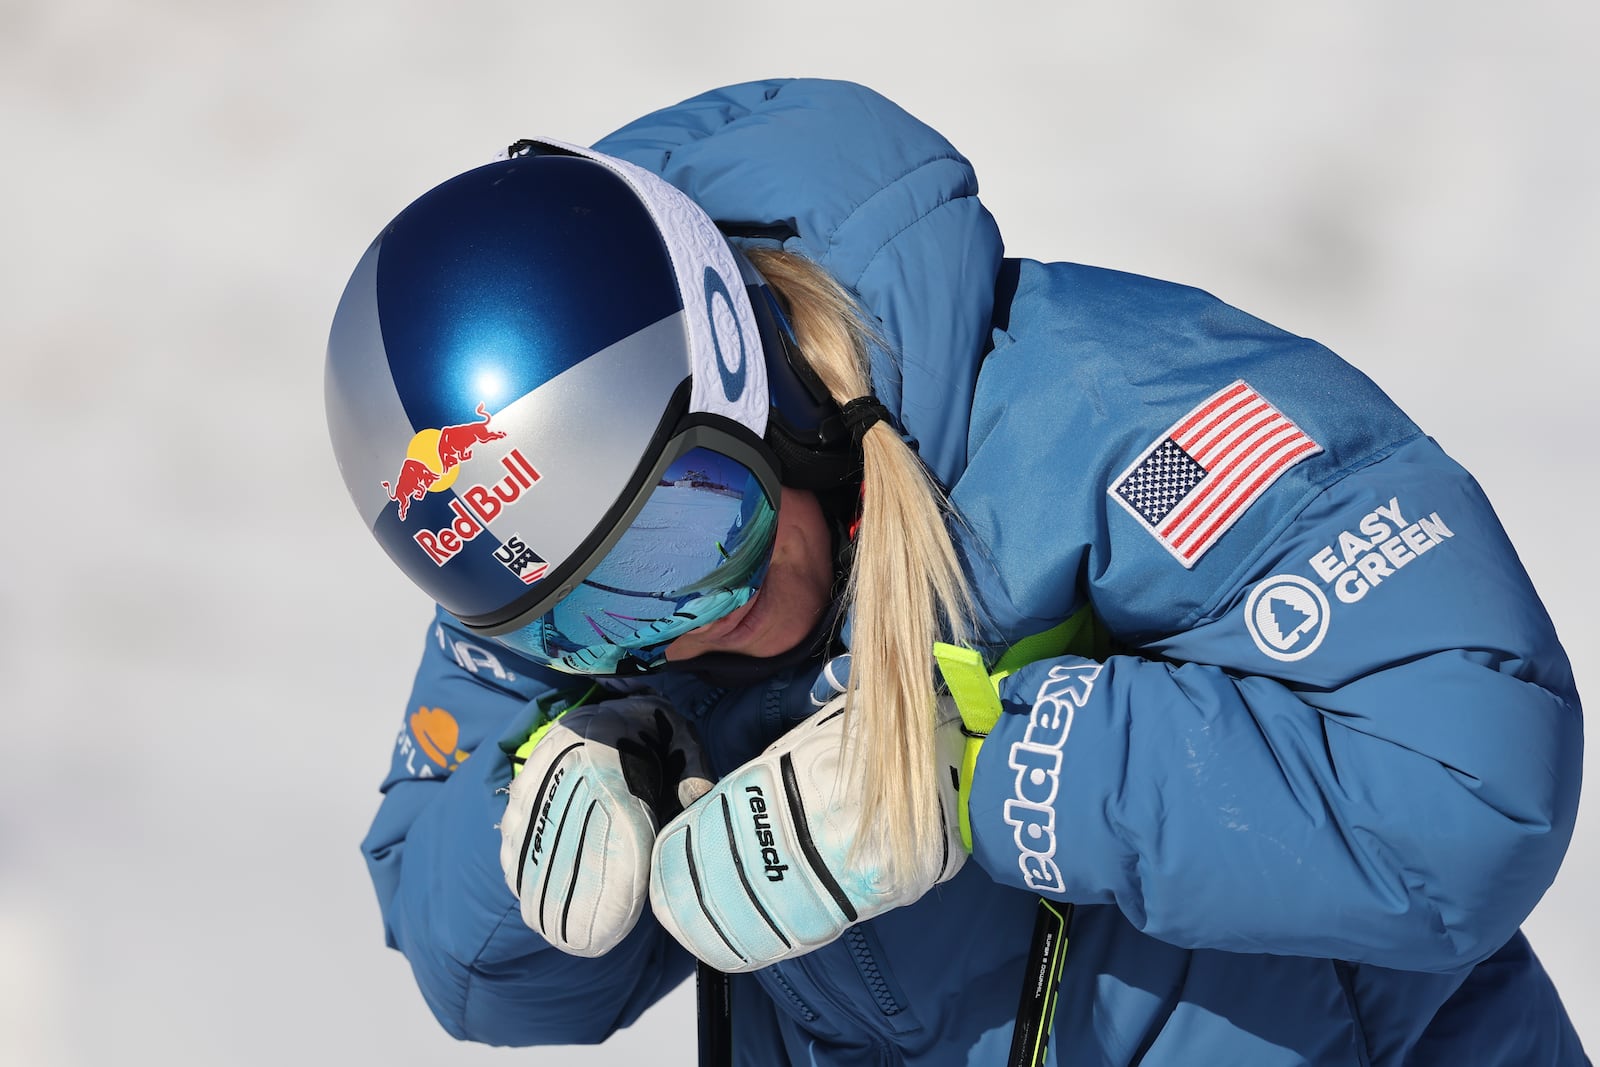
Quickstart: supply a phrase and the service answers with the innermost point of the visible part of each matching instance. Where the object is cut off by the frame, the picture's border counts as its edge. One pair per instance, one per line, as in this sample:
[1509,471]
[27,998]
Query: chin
[792,598]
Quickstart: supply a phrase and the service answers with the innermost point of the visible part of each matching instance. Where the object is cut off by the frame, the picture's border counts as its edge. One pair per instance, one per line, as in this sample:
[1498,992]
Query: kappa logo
[724,323]
[1036,758]
[1287,617]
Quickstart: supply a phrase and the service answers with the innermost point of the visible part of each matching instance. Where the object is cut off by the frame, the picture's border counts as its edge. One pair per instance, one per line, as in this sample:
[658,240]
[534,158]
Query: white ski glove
[576,838]
[756,871]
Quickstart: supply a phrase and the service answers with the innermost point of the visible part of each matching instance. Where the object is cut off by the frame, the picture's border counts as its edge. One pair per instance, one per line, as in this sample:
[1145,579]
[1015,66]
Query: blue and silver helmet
[548,390]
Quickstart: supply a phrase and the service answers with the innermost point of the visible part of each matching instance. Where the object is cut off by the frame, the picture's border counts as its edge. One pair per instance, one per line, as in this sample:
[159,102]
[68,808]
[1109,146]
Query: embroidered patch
[1195,481]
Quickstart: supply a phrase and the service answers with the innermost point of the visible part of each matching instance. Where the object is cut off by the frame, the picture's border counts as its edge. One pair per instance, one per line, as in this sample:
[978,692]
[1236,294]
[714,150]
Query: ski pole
[1041,985]
[714,1016]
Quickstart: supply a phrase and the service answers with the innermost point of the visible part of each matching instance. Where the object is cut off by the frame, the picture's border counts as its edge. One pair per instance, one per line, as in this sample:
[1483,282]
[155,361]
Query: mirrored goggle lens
[697,550]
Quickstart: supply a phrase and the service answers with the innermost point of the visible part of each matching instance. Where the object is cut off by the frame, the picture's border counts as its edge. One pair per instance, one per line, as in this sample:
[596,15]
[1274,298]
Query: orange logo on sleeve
[437,733]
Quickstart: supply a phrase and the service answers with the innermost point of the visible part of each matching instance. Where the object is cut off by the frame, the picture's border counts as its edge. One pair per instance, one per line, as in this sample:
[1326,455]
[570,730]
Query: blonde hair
[906,588]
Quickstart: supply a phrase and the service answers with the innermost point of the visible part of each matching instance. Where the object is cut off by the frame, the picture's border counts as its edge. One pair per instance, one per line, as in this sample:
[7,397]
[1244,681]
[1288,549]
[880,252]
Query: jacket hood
[845,177]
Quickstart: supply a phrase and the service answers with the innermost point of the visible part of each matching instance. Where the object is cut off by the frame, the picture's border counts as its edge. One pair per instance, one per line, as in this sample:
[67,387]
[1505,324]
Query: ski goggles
[693,548]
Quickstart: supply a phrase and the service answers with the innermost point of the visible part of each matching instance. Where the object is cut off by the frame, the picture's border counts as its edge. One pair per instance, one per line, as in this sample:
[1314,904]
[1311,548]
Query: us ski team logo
[521,560]
[1191,485]
[1287,617]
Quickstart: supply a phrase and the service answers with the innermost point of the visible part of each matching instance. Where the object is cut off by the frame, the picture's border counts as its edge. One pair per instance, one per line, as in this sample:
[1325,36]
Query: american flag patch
[1194,482]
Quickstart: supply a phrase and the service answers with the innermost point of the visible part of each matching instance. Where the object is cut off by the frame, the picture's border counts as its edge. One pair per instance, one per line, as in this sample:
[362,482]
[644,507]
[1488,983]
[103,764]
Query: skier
[979,660]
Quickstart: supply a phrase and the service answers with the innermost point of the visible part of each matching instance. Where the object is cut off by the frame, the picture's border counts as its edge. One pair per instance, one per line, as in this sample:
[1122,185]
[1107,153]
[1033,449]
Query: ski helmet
[554,391]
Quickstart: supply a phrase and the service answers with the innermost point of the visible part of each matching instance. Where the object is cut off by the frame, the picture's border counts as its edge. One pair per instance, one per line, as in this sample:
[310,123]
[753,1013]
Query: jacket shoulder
[1151,437]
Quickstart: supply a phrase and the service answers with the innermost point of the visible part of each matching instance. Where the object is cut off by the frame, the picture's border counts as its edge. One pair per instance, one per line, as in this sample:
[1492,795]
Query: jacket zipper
[876,984]
[801,1007]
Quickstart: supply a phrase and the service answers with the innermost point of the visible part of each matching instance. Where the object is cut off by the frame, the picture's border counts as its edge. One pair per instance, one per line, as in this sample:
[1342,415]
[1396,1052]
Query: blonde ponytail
[906,589]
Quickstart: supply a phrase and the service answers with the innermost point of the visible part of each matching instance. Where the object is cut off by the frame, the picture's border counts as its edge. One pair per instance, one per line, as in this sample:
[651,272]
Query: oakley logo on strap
[733,376]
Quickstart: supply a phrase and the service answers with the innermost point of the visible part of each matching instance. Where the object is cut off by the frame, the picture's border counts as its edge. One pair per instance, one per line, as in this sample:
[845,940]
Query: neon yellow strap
[1079,634]
[977,697]
[970,685]
[526,748]
[976,689]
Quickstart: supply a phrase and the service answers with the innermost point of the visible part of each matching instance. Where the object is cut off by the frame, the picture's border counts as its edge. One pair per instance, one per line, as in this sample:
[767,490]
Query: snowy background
[204,657]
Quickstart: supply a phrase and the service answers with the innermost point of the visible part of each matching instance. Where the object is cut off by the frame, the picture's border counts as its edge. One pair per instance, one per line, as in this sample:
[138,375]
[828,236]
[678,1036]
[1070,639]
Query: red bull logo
[433,456]
[432,464]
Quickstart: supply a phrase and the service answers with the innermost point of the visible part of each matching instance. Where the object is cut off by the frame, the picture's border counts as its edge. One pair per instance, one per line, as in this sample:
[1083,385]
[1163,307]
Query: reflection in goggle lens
[697,550]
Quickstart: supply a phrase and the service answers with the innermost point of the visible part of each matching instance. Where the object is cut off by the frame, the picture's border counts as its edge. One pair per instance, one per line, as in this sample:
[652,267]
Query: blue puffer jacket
[1328,768]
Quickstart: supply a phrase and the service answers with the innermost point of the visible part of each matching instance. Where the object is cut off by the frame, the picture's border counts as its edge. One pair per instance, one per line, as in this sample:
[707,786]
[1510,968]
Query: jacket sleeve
[433,853]
[1368,749]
